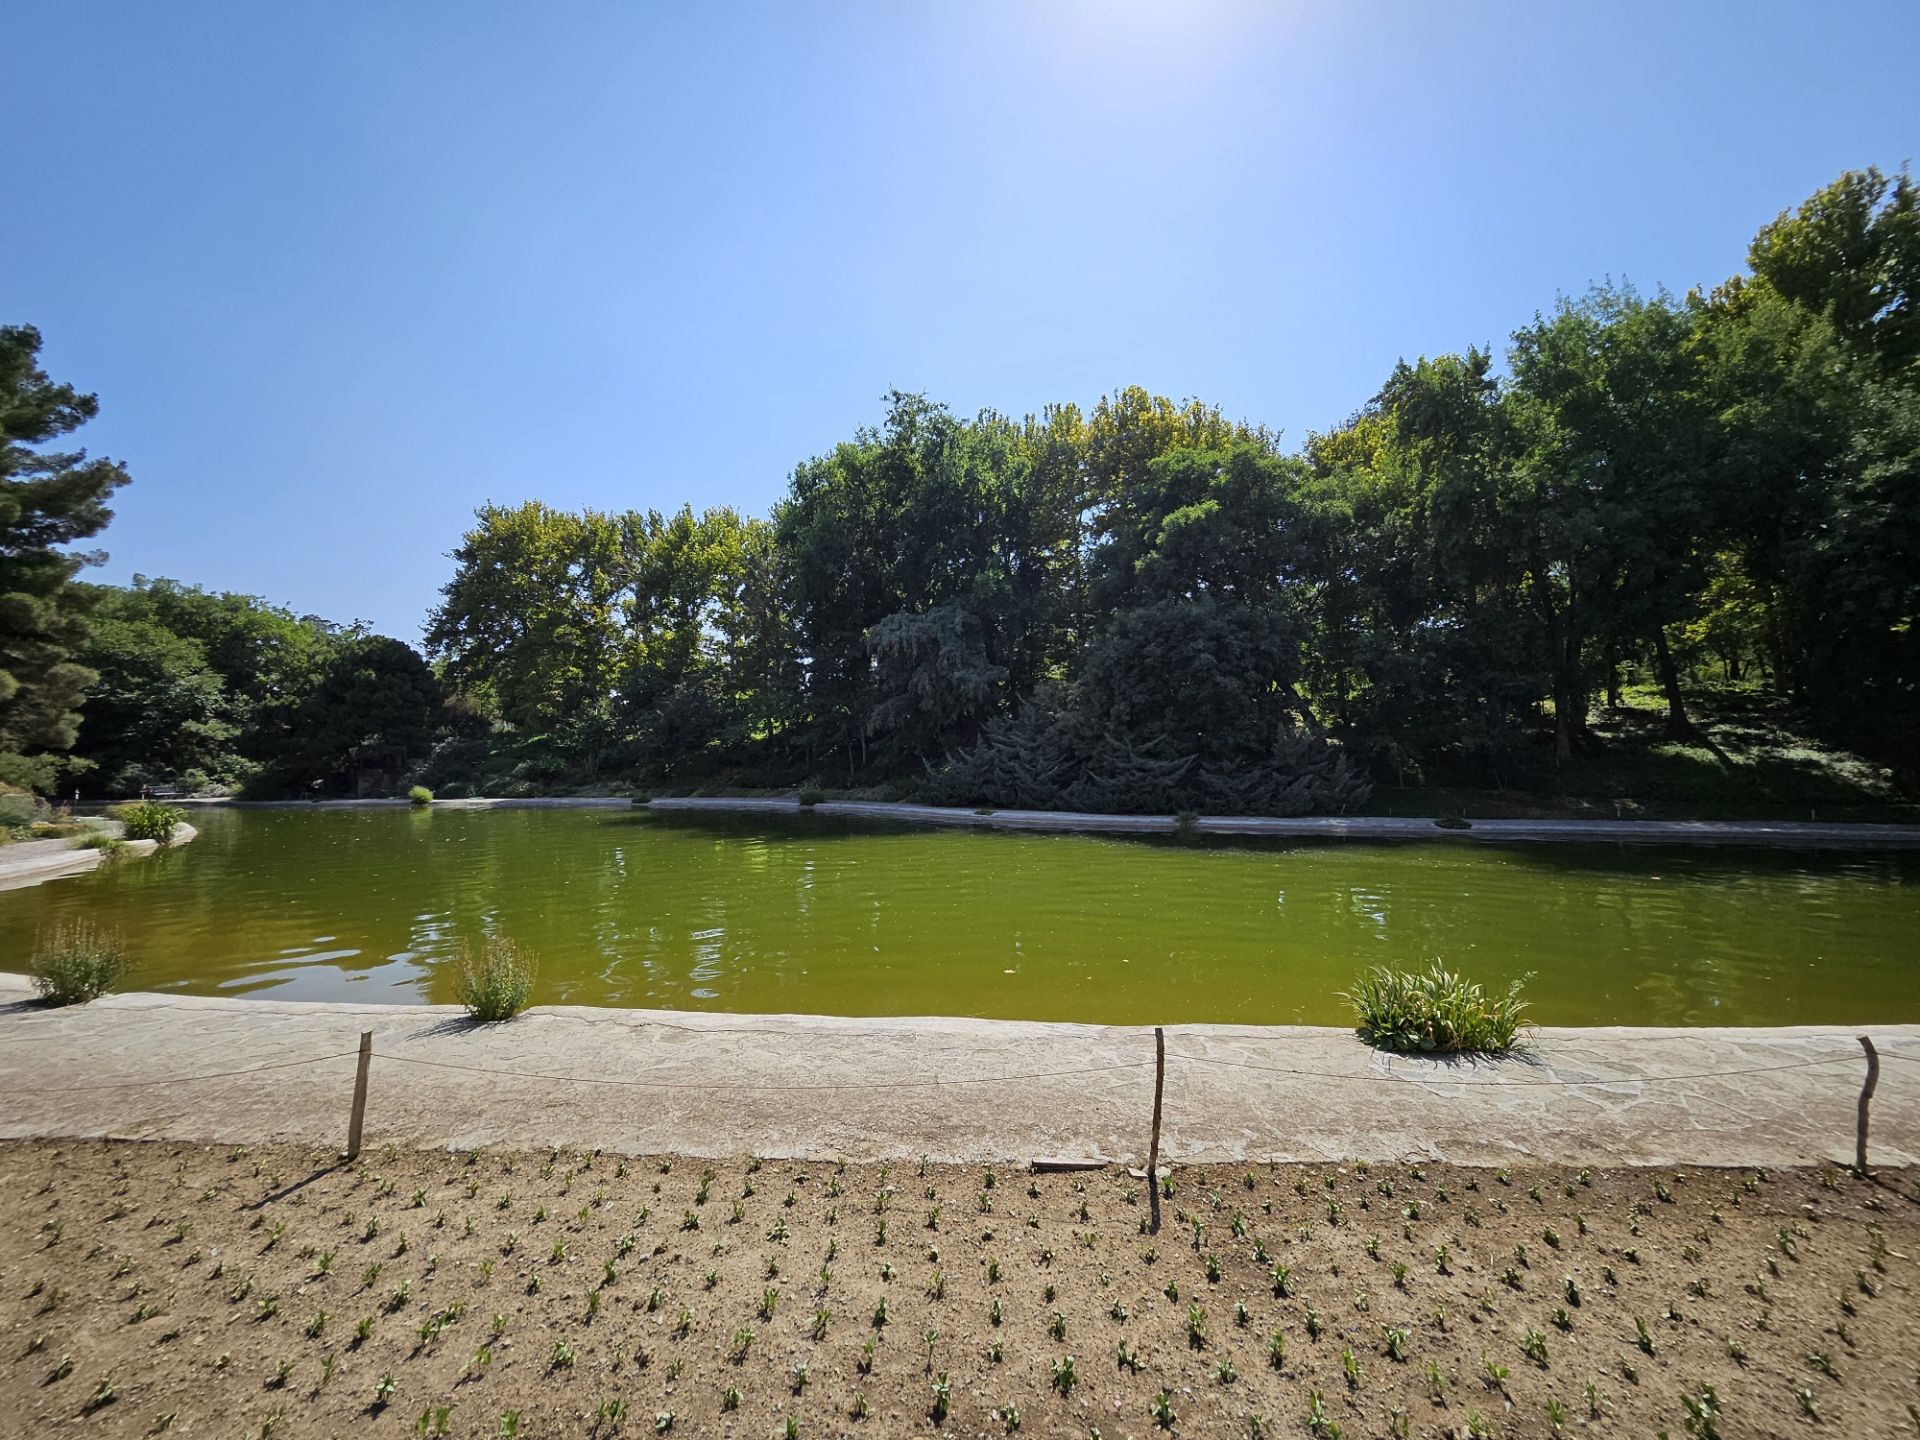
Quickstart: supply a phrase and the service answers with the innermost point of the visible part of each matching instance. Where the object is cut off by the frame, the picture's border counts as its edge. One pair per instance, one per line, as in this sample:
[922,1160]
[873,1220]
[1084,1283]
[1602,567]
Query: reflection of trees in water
[812,915]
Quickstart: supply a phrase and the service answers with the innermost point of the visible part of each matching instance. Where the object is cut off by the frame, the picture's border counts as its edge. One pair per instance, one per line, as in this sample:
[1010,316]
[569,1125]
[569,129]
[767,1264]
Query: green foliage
[374,711]
[810,795]
[528,620]
[496,981]
[1435,1010]
[157,710]
[208,690]
[1054,755]
[77,963]
[20,809]
[933,676]
[420,795]
[1142,607]
[195,685]
[48,500]
[150,820]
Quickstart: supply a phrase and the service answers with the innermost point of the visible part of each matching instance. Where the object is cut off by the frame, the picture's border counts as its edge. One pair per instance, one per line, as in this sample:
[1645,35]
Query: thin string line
[1504,1084]
[173,1080]
[755,1085]
[1391,1079]
[262,1008]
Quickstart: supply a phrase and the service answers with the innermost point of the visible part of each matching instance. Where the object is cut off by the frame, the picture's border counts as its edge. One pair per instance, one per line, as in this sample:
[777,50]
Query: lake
[769,914]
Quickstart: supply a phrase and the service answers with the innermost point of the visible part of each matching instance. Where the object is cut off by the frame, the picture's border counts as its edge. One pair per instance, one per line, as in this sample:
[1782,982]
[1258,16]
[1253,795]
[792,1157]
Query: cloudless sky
[341,272]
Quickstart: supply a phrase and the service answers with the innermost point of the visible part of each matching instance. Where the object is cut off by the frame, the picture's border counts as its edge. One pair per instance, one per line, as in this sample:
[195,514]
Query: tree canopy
[1641,484]
[207,687]
[1145,604]
[48,500]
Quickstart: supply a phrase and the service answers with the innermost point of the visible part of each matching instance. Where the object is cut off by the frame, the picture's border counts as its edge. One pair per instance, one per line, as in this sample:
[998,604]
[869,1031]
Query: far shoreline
[27,863]
[1781,834]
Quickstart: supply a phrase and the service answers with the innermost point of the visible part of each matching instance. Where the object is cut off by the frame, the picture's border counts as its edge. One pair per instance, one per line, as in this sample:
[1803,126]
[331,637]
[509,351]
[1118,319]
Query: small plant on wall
[150,820]
[77,963]
[496,981]
[1436,1010]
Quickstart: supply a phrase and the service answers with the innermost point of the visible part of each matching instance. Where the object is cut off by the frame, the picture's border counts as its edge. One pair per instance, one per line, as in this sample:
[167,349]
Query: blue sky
[340,273]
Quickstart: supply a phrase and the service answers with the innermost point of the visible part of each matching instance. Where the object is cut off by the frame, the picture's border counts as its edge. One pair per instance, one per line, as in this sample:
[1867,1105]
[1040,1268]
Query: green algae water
[770,914]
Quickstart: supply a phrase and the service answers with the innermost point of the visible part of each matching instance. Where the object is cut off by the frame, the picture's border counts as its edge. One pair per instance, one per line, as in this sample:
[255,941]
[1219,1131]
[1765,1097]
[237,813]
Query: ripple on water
[812,916]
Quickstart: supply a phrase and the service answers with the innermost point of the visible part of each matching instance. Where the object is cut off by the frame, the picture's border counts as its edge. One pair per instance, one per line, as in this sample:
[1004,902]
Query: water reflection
[812,915]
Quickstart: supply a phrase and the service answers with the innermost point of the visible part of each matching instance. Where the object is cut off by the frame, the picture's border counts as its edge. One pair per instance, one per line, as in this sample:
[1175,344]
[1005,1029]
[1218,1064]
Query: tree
[755,635]
[375,712]
[932,677]
[157,711]
[1429,642]
[268,657]
[1202,583]
[48,500]
[1851,253]
[528,619]
[1614,460]
[894,522]
[1816,377]
[195,684]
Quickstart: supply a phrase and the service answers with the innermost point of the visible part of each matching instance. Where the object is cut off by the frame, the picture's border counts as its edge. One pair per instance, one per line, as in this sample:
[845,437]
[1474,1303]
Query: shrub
[58,830]
[150,820]
[19,810]
[1435,1010]
[420,795]
[811,794]
[497,983]
[76,964]
[111,846]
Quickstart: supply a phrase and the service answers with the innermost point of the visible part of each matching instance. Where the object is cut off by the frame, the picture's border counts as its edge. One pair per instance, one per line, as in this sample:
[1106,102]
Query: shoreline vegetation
[1409,1012]
[1436,1011]
[1657,564]
[77,963]
[32,860]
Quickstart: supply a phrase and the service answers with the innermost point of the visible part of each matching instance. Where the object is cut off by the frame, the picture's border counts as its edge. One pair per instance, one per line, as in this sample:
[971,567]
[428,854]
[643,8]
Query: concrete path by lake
[638,1081]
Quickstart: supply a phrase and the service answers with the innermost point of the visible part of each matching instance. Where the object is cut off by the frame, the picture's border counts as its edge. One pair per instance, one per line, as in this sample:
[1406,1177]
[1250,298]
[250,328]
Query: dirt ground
[157,1288]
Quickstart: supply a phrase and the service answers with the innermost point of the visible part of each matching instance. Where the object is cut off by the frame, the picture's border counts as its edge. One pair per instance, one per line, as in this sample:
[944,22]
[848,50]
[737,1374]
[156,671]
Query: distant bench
[165,792]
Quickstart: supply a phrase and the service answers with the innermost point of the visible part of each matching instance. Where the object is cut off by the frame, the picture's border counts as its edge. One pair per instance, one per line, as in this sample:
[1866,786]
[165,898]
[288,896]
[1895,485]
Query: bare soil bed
[189,1290]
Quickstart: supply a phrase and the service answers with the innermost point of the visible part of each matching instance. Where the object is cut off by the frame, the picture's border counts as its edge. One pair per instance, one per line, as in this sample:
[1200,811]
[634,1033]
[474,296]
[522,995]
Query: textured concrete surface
[636,1081]
[1351,827]
[29,862]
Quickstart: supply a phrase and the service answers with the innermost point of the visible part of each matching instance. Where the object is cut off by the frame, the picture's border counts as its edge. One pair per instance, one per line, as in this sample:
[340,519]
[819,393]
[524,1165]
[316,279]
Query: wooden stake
[1153,1147]
[359,1096]
[1866,1098]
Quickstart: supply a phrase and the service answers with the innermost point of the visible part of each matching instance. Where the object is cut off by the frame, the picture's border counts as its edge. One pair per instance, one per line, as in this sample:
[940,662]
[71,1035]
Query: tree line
[1143,605]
